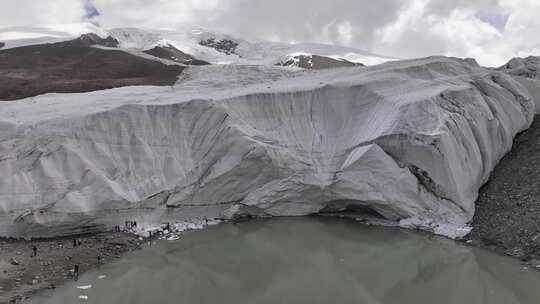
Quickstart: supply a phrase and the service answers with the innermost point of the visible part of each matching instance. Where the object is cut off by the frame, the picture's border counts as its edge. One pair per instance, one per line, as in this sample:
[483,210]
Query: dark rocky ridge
[169,52]
[316,62]
[91,39]
[225,46]
[507,217]
[76,66]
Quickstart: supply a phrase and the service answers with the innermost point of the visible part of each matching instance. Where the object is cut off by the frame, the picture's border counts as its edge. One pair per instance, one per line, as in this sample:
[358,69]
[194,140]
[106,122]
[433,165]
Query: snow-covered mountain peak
[207,45]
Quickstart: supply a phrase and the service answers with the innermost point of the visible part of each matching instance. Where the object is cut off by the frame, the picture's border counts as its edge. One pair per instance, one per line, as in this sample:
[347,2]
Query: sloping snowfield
[412,141]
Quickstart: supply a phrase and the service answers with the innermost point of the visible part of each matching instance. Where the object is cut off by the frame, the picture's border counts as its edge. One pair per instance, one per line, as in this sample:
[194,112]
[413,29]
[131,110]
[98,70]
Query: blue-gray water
[305,260]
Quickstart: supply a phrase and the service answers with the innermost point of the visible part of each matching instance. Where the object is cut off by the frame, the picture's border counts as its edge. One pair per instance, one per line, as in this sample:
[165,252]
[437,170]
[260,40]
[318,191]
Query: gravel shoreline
[507,218]
[22,275]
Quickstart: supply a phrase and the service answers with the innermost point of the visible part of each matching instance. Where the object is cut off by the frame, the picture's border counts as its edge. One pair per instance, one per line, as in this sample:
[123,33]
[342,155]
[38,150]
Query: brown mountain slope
[76,66]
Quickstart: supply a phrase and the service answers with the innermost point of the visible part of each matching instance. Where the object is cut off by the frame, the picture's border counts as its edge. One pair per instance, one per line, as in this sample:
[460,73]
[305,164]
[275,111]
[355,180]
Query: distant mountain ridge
[209,46]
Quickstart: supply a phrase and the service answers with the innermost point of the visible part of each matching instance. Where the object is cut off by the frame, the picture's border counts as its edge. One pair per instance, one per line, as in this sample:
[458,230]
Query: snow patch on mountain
[224,49]
[314,62]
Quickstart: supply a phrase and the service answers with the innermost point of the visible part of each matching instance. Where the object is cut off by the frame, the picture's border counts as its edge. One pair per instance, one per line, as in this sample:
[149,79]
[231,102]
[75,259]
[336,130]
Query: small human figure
[74,242]
[150,234]
[34,250]
[76,272]
[99,259]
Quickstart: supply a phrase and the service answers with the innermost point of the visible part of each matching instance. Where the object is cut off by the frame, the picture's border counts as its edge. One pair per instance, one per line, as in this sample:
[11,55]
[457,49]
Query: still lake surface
[304,260]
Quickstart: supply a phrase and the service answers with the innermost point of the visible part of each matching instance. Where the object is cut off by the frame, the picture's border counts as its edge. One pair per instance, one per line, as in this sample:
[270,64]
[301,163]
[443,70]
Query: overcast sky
[492,31]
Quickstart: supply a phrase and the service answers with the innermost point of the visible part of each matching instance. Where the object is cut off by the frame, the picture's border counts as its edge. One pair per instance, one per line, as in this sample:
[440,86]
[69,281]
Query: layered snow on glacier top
[225,81]
[208,82]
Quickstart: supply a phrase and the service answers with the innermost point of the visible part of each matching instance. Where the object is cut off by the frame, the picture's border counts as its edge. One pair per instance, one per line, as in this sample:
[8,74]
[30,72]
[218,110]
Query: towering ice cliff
[411,141]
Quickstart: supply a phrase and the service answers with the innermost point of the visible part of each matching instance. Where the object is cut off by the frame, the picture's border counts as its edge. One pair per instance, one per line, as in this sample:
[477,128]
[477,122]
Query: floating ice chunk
[173,237]
[83,297]
[84,287]
[101,277]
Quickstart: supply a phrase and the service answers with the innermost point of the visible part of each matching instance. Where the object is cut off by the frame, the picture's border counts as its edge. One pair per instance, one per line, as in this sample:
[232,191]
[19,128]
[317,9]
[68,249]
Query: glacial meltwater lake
[304,260]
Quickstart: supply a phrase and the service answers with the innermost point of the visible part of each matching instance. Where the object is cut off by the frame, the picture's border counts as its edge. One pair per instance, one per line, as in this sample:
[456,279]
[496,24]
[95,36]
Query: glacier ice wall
[533,86]
[412,141]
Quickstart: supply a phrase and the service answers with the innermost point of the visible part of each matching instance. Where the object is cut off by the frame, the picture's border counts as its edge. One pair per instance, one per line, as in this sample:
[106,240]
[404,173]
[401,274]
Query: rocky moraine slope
[77,66]
[508,208]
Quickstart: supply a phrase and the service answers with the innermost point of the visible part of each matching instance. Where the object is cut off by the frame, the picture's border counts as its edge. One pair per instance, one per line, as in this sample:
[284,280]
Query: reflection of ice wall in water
[308,261]
[411,140]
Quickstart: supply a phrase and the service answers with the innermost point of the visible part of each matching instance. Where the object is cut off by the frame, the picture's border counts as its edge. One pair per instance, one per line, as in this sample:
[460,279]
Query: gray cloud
[338,21]
[490,30]
[32,12]
[399,28]
[445,7]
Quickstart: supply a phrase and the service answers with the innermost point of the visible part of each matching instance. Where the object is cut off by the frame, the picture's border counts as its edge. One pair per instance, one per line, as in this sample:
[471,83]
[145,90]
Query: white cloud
[400,28]
[407,20]
[155,13]
[421,30]
[33,12]
[523,27]
[345,31]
